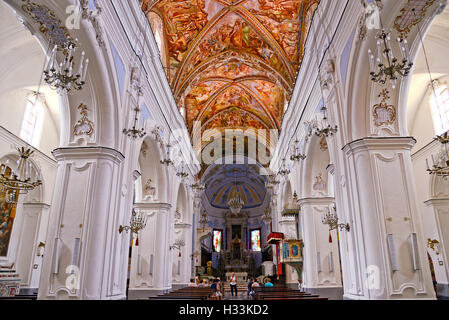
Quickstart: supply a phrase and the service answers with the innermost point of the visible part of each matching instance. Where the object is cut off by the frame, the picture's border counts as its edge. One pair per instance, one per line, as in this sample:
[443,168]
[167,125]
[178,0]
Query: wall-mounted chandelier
[284,171]
[386,67]
[331,219]
[440,168]
[178,244]
[296,153]
[63,77]
[168,161]
[135,133]
[137,223]
[19,181]
[321,129]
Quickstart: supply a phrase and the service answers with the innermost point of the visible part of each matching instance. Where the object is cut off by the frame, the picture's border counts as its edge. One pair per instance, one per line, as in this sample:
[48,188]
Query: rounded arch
[316,181]
[154,176]
[102,102]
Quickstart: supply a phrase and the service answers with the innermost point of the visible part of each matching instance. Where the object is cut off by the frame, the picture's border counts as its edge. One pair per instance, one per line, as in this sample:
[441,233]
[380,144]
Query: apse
[223,181]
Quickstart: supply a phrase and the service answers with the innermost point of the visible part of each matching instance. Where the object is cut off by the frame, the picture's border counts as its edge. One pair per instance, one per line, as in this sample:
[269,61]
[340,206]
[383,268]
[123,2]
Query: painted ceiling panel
[233,64]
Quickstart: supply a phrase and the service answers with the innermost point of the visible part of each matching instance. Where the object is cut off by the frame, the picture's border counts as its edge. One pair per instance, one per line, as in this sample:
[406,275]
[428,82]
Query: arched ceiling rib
[233,62]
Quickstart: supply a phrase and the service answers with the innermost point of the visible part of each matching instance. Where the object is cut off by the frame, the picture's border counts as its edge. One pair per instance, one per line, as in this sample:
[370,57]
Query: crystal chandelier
[236,203]
[137,223]
[19,181]
[440,168]
[284,171]
[135,133]
[331,219]
[387,67]
[167,161]
[182,172]
[322,129]
[297,155]
[63,77]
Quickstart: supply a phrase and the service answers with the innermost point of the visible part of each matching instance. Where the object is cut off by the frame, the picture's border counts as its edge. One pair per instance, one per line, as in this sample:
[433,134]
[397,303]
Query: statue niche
[236,246]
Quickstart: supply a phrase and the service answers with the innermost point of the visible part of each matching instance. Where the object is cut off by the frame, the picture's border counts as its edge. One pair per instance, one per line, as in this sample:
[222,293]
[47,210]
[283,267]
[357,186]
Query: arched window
[440,109]
[32,121]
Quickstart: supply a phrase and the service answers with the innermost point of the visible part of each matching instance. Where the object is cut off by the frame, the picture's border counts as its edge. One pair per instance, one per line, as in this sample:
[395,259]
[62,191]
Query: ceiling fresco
[222,181]
[233,64]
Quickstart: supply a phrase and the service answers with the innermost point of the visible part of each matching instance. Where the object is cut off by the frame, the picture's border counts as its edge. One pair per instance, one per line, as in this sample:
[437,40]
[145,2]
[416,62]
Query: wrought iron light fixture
[182,172]
[134,133]
[63,77]
[19,181]
[204,221]
[322,129]
[440,168]
[297,155]
[137,223]
[178,244]
[167,161]
[386,67]
[284,171]
[198,186]
[332,220]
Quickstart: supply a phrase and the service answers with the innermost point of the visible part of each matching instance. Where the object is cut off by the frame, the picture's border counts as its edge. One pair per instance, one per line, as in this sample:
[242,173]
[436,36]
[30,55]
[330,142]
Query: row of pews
[283,293]
[193,294]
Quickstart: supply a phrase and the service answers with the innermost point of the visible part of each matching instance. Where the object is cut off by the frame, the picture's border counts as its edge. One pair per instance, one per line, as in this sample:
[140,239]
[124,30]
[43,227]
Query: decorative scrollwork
[84,126]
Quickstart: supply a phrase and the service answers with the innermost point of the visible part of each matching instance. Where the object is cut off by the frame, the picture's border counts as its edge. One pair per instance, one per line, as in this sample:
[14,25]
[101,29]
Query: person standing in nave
[233,283]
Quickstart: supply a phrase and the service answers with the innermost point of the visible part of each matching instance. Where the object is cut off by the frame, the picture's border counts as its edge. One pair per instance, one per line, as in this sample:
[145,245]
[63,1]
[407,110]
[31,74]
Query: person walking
[233,283]
[250,286]
[216,287]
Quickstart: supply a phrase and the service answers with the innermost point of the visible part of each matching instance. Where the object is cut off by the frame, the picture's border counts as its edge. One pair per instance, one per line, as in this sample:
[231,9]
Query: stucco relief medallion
[320,184]
[384,113]
[84,126]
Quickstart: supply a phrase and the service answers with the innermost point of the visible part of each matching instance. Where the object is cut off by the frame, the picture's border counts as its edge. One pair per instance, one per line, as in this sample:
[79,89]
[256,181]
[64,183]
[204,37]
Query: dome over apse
[223,180]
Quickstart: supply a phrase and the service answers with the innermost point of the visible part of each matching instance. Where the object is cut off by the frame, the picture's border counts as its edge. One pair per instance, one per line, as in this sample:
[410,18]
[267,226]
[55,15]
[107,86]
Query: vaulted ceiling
[232,63]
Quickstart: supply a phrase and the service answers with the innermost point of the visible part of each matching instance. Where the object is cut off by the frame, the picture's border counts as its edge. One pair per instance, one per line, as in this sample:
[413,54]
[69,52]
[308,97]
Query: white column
[386,221]
[182,276]
[321,258]
[34,218]
[83,238]
[151,264]
[440,255]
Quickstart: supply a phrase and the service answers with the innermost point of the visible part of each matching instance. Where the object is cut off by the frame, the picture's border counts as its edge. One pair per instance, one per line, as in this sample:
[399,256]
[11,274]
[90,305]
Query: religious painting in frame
[7,216]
